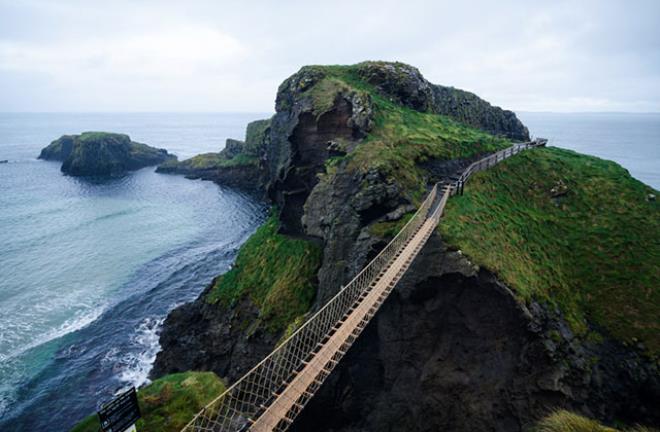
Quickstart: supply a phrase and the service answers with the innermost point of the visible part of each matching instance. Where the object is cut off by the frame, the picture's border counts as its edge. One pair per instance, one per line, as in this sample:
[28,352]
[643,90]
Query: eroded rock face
[406,85]
[212,337]
[470,109]
[302,140]
[451,349]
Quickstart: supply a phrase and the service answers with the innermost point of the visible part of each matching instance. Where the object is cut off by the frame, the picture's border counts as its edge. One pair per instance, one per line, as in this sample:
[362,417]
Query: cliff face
[406,85]
[101,153]
[453,349]
[350,152]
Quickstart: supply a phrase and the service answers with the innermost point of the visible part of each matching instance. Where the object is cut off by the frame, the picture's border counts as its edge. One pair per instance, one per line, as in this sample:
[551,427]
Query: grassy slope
[564,421]
[168,403]
[277,272]
[209,161]
[593,252]
[401,137]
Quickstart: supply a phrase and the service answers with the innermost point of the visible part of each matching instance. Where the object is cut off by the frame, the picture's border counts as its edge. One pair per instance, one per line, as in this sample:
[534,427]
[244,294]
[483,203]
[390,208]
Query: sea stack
[102,153]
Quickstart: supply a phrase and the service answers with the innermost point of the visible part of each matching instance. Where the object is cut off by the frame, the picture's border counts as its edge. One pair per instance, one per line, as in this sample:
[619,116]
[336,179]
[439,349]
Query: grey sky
[230,56]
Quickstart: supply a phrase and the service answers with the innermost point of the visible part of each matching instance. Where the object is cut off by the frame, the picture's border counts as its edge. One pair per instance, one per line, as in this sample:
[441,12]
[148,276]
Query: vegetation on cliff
[400,137]
[236,154]
[102,153]
[168,403]
[207,161]
[571,230]
[276,272]
[566,421]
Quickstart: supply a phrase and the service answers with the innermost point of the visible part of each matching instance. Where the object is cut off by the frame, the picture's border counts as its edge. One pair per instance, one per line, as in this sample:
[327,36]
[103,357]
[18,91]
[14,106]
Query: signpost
[120,414]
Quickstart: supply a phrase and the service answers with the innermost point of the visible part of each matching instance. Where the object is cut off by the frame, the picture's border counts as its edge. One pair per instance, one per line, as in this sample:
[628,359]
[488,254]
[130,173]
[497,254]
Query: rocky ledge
[101,154]
[239,165]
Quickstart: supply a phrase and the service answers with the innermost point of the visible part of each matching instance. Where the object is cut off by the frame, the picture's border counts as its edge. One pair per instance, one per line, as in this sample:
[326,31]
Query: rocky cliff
[350,152]
[102,153]
[454,349]
[239,165]
[406,85]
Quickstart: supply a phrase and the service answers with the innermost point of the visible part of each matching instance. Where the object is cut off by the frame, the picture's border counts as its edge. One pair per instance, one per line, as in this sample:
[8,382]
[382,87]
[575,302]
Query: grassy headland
[570,230]
[401,137]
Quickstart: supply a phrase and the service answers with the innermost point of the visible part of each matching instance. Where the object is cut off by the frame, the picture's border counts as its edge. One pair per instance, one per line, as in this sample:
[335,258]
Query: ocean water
[89,268]
[632,140]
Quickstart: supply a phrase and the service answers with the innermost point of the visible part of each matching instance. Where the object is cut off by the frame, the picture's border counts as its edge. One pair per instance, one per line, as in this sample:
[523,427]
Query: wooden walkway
[322,363]
[272,394]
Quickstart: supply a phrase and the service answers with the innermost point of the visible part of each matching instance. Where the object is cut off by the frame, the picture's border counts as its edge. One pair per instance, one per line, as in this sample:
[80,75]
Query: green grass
[593,252]
[277,272]
[401,137]
[325,92]
[565,421]
[210,161]
[168,403]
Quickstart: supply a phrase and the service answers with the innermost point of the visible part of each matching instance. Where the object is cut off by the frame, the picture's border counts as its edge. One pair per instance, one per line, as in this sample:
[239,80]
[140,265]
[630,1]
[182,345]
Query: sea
[90,267]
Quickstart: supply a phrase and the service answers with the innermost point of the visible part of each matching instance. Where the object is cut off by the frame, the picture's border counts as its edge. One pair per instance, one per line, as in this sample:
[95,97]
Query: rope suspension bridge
[270,396]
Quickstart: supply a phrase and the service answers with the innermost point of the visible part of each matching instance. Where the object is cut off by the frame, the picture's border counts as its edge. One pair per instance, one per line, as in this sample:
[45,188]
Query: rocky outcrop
[302,139]
[406,85]
[239,165]
[101,154]
[204,336]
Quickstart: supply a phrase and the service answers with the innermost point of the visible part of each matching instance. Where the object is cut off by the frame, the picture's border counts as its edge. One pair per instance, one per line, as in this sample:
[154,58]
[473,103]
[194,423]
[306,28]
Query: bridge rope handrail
[236,409]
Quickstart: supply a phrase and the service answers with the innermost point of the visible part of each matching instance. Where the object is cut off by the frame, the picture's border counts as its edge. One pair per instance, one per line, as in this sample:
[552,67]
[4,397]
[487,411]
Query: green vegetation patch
[325,92]
[168,403]
[565,421]
[211,161]
[571,230]
[276,271]
[401,137]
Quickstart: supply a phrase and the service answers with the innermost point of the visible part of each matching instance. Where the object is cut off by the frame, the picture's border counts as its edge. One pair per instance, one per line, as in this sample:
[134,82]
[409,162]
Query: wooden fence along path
[271,395]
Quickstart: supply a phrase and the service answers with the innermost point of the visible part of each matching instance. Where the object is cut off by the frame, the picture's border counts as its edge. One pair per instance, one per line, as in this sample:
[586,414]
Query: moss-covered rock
[238,165]
[102,153]
[168,403]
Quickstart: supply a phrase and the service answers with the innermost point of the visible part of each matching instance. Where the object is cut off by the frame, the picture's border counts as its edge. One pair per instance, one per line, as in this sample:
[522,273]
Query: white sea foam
[135,365]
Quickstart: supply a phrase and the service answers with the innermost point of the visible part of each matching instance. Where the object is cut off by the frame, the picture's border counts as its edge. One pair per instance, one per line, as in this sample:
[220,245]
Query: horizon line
[273,112]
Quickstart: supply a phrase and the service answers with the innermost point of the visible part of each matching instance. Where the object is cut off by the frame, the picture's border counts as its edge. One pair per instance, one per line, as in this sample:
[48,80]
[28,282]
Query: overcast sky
[230,56]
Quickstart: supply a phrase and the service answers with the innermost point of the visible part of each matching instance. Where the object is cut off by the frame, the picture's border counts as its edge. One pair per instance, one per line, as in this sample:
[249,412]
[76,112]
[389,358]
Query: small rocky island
[102,153]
